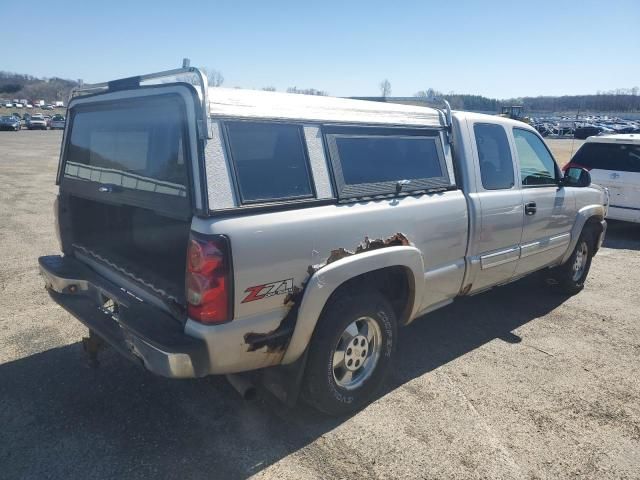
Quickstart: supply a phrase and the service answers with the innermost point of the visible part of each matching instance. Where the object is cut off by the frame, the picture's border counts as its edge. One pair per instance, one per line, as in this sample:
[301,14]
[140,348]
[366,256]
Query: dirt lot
[563,148]
[515,383]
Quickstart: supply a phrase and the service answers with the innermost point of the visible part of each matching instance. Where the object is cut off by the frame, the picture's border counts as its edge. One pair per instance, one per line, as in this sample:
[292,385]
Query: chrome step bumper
[139,331]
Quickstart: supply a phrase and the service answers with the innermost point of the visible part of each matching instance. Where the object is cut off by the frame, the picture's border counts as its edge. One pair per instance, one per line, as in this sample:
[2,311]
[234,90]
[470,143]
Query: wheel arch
[349,272]
[588,216]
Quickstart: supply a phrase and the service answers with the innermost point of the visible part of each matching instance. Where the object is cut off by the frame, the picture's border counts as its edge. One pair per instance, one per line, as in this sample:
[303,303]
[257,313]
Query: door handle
[530,208]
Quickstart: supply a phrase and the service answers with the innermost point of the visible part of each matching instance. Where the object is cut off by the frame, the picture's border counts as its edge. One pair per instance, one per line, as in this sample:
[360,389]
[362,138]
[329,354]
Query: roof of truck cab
[258,104]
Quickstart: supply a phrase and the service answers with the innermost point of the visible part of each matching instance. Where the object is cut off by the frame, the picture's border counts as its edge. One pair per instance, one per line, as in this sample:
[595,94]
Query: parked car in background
[9,122]
[36,122]
[47,107]
[19,118]
[587,131]
[298,231]
[57,122]
[614,162]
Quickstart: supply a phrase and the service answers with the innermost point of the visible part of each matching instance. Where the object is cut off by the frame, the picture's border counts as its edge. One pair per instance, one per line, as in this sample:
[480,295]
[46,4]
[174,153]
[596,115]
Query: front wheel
[570,276]
[350,353]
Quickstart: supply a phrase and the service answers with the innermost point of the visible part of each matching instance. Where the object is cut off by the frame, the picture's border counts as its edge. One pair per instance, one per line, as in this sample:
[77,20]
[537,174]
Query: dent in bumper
[139,332]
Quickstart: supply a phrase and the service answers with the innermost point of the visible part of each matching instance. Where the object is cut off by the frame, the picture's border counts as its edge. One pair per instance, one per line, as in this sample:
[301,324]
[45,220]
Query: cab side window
[496,164]
[537,166]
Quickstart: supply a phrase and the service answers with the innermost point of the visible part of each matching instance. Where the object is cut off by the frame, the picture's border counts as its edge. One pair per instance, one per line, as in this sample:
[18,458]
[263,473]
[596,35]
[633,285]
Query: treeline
[304,91]
[460,101]
[602,102]
[16,85]
[620,100]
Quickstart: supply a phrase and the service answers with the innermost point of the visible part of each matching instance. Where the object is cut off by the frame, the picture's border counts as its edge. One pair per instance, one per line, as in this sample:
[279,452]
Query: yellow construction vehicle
[514,112]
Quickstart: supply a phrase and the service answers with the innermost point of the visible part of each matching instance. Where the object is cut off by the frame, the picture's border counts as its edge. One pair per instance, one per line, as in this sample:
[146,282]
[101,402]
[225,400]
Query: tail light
[208,279]
[574,165]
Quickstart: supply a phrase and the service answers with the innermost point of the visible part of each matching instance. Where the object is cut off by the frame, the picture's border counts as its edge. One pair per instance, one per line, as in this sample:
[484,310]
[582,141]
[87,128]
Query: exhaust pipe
[244,387]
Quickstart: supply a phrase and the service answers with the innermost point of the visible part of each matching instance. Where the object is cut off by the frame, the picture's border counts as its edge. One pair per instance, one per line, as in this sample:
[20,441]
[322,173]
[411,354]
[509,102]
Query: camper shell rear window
[130,151]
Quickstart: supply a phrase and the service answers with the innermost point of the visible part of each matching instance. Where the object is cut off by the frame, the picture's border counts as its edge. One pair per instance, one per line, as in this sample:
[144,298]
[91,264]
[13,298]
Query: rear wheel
[350,353]
[569,277]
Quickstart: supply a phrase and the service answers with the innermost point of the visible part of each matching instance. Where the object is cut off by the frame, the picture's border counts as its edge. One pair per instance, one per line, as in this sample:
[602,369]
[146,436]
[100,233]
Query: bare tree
[214,77]
[429,94]
[385,88]
[269,89]
[306,91]
[455,102]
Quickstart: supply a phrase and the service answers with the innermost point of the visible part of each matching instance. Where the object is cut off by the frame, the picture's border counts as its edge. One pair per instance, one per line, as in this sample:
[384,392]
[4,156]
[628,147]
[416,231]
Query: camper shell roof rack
[201,85]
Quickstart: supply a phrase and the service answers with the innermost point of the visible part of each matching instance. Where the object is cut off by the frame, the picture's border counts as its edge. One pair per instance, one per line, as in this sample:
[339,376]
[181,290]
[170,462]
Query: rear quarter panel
[276,248]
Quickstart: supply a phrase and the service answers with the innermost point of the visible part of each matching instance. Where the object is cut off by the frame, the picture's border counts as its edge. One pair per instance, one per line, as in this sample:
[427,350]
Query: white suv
[614,162]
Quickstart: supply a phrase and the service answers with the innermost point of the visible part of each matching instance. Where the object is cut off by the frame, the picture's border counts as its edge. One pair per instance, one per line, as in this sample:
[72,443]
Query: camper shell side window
[270,161]
[372,161]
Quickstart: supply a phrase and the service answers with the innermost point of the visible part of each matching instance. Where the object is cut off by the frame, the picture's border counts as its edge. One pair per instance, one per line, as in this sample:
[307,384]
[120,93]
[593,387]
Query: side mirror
[576,177]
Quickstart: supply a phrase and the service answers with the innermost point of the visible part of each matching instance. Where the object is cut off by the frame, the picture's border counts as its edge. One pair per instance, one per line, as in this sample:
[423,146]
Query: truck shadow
[61,419]
[622,235]
[470,322]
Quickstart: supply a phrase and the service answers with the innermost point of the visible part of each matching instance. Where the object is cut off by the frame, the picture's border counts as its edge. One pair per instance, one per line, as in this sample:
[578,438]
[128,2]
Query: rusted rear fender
[326,280]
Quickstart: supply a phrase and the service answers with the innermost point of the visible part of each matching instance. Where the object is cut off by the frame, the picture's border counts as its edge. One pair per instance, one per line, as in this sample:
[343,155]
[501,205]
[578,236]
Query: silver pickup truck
[217,231]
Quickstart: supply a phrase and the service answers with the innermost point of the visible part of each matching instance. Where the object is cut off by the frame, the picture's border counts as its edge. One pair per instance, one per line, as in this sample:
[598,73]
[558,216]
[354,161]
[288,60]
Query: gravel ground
[514,383]
[563,148]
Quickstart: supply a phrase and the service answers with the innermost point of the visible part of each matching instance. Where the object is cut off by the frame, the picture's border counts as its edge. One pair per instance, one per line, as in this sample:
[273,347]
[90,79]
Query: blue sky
[494,48]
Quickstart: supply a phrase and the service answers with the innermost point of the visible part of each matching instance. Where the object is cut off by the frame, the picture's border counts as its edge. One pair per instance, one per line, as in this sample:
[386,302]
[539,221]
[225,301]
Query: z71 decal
[281,287]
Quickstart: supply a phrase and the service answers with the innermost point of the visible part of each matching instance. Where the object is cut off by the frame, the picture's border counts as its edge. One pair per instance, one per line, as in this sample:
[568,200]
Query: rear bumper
[139,331]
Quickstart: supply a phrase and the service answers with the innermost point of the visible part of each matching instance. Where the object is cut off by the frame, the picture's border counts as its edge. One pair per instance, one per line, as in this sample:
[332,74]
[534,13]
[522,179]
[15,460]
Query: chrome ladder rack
[136,81]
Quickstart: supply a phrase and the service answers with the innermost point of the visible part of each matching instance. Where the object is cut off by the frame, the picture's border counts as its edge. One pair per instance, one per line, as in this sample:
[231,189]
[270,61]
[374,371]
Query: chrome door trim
[499,258]
[544,244]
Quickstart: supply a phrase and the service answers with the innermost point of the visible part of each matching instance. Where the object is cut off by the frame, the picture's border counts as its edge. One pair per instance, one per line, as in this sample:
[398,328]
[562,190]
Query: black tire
[566,278]
[320,386]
